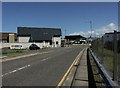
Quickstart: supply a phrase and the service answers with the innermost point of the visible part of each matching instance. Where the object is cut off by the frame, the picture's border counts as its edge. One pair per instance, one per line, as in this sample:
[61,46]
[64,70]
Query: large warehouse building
[39,35]
[75,39]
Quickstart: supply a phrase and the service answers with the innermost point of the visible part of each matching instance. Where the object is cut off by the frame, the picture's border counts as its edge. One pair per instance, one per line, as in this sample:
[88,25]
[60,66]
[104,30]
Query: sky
[72,17]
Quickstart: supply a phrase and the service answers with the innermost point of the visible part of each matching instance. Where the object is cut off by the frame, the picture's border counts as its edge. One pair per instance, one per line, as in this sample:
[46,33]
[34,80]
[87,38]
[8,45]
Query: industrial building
[25,36]
[110,36]
[75,39]
[52,36]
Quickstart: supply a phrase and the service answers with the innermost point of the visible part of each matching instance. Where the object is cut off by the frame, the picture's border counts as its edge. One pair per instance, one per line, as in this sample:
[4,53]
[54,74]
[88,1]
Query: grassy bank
[106,56]
[11,52]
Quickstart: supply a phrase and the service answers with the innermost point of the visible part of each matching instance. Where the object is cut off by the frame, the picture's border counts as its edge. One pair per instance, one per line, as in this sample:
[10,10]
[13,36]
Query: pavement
[78,74]
[81,77]
[46,68]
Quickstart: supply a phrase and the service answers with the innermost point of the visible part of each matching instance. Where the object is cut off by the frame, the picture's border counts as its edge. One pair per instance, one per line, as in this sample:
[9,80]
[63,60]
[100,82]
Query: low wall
[25,45]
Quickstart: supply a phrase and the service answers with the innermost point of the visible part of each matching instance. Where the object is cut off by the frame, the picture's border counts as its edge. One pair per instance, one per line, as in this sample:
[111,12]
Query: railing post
[115,57]
[102,61]
[97,48]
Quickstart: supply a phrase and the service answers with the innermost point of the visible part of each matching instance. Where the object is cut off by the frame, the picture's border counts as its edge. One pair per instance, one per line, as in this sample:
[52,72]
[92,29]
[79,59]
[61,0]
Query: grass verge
[108,60]
[12,52]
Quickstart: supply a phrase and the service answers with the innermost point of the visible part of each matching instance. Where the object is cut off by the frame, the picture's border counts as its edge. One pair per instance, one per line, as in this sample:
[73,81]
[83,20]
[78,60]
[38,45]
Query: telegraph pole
[65,31]
[91,28]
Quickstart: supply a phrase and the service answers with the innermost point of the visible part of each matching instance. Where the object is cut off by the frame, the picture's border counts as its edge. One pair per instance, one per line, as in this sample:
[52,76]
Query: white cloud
[97,32]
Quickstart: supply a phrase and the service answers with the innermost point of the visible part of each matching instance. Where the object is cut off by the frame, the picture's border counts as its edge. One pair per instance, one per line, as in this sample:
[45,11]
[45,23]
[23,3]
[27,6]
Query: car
[34,47]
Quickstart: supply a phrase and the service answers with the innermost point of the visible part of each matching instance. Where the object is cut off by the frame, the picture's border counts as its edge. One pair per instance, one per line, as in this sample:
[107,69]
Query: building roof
[74,37]
[39,34]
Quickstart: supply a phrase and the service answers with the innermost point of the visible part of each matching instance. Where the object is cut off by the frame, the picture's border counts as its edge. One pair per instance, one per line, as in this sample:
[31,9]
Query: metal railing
[107,79]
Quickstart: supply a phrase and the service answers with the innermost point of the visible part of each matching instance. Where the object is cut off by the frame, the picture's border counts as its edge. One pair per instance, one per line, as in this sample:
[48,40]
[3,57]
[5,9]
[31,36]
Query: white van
[16,46]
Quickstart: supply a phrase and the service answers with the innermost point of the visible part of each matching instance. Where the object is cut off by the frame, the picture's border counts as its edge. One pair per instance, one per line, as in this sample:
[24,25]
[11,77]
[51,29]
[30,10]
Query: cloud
[98,32]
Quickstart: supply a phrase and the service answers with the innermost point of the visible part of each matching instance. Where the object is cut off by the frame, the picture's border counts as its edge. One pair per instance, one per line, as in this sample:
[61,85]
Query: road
[45,69]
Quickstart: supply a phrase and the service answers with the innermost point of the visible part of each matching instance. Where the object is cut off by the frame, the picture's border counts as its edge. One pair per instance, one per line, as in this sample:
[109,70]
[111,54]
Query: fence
[107,79]
[107,50]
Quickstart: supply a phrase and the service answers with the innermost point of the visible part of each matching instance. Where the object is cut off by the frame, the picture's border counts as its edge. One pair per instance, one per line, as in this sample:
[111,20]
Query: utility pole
[91,28]
[65,31]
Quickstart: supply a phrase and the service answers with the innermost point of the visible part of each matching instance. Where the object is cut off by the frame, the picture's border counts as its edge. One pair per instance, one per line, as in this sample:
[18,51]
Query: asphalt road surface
[45,69]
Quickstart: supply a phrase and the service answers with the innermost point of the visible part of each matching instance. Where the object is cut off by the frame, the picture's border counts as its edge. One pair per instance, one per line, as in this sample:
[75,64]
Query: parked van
[16,46]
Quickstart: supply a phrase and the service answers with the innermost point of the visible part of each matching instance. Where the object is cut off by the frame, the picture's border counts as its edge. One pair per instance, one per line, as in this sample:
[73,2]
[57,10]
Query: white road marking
[15,70]
[45,59]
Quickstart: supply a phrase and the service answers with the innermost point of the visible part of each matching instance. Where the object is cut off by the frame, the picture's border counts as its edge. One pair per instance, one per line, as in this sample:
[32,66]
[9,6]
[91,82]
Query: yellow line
[18,57]
[79,56]
[65,75]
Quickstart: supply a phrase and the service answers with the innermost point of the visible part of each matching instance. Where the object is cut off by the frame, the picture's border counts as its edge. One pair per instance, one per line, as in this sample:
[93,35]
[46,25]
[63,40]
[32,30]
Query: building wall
[4,41]
[56,41]
[11,38]
[26,45]
[118,36]
[110,37]
[23,39]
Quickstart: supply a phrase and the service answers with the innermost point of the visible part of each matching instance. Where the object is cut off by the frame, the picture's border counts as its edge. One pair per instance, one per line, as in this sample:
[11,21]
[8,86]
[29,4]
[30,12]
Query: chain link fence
[107,50]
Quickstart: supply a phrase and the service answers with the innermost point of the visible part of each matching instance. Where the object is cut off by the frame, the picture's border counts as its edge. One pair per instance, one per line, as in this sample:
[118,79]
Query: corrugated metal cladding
[39,34]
